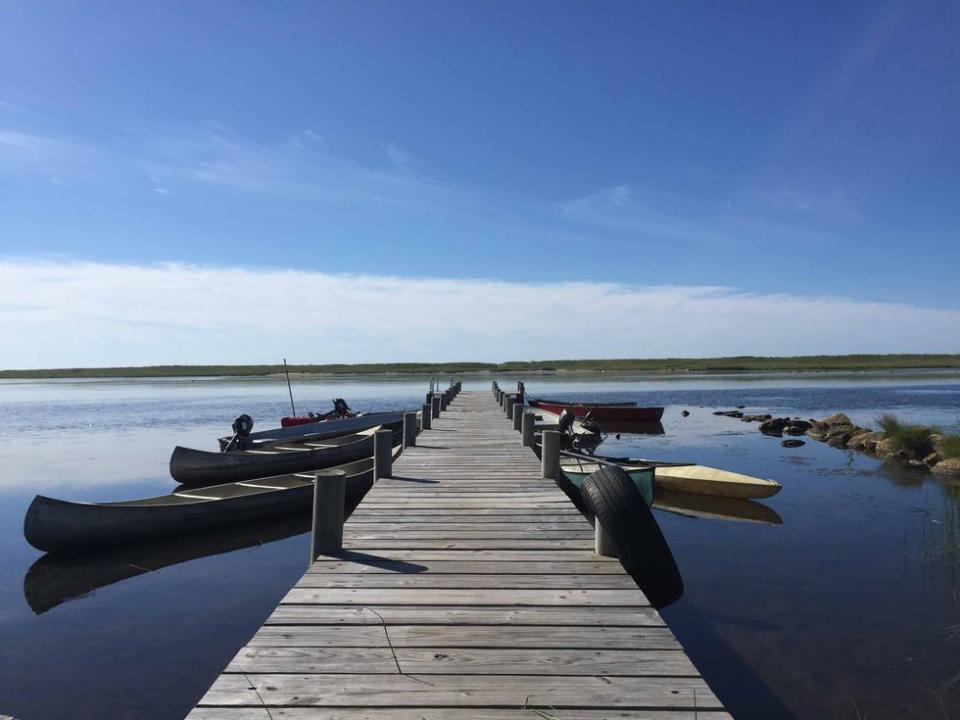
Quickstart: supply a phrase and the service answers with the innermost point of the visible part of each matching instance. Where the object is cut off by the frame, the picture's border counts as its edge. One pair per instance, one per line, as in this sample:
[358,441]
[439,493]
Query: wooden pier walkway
[468,589]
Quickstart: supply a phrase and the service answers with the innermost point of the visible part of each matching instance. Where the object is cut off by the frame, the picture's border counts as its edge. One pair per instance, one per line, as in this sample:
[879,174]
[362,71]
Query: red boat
[340,410]
[626,412]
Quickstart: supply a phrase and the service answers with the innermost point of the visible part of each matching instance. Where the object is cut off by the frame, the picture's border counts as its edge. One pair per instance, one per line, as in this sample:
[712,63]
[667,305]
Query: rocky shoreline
[839,431]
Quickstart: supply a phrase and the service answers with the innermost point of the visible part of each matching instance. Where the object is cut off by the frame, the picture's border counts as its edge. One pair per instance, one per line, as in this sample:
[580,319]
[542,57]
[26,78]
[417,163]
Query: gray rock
[685,413]
[729,413]
[837,419]
[792,443]
[936,442]
[838,439]
[774,426]
[866,441]
[794,430]
[948,469]
[885,447]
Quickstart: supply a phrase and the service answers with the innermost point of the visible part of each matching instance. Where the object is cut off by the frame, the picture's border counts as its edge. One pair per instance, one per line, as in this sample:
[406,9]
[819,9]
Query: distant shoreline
[811,363]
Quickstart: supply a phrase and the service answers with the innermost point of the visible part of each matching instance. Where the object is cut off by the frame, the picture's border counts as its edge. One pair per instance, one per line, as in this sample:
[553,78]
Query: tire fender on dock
[610,495]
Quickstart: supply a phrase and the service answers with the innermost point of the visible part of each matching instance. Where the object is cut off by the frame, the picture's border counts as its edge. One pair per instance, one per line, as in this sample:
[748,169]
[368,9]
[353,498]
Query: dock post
[409,429]
[602,542]
[517,414]
[435,406]
[426,412]
[429,396]
[550,455]
[527,422]
[329,496]
[382,454]
[444,400]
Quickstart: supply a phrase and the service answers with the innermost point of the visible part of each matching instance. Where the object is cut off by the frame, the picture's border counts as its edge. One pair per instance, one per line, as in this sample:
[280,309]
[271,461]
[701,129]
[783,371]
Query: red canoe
[613,412]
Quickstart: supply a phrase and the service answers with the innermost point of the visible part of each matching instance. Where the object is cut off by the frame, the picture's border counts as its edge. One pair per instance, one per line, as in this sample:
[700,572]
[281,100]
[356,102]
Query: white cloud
[63,313]
[626,209]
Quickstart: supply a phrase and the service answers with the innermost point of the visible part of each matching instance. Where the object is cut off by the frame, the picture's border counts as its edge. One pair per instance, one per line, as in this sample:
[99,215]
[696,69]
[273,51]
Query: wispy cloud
[299,166]
[84,313]
[626,209]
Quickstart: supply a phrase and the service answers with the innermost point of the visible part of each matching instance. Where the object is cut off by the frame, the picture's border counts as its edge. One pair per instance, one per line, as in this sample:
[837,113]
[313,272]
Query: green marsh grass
[746,363]
[915,439]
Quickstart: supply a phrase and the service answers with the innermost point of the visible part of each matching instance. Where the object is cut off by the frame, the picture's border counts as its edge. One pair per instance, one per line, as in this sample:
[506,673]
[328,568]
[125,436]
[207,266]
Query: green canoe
[576,473]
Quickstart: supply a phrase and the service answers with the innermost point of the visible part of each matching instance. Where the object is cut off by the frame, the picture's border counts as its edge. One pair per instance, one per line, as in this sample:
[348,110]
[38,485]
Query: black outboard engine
[340,408]
[243,425]
[565,422]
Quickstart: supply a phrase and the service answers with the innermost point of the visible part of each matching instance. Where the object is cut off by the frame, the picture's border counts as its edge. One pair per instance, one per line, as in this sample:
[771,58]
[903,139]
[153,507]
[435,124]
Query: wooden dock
[468,590]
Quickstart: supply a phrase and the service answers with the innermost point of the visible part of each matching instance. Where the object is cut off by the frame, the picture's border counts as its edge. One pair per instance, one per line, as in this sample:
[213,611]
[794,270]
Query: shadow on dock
[378,561]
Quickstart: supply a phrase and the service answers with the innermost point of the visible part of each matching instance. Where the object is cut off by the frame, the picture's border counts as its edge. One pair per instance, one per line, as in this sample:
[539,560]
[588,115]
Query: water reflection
[715,508]
[652,565]
[56,578]
[632,428]
[856,597]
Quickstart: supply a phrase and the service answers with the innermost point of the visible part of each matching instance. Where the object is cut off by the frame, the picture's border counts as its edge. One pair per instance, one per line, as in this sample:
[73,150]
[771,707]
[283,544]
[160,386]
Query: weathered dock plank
[468,589]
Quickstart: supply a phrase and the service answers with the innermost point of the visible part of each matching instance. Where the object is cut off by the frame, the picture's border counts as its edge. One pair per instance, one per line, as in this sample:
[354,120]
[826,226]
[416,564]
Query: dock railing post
[517,414]
[444,400]
[528,422]
[602,542]
[329,497]
[426,413]
[382,454]
[409,429]
[429,396]
[550,455]
[435,406]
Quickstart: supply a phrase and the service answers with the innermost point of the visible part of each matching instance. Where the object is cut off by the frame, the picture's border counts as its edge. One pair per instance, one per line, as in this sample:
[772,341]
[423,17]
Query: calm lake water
[848,608]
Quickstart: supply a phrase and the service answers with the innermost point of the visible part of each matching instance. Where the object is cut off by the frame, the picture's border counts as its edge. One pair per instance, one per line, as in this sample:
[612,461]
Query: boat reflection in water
[58,577]
[715,508]
[611,427]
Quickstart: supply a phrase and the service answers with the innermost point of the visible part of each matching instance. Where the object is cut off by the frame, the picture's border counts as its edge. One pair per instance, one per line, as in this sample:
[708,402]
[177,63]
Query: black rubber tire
[610,496]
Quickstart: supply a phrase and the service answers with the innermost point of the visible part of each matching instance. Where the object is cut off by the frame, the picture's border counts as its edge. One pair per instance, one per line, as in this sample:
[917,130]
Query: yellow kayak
[689,478]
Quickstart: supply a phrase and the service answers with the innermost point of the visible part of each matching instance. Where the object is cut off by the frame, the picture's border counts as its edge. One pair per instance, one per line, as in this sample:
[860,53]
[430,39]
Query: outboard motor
[565,422]
[242,427]
[340,408]
[589,423]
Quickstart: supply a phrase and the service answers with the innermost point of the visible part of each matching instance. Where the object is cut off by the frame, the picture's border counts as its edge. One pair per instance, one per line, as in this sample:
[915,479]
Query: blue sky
[795,150]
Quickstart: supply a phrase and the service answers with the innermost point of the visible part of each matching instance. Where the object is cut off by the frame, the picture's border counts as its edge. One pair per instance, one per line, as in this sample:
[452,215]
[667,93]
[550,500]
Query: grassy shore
[730,364]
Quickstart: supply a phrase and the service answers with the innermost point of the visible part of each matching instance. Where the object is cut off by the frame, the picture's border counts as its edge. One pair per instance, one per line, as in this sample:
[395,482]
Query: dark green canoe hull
[642,479]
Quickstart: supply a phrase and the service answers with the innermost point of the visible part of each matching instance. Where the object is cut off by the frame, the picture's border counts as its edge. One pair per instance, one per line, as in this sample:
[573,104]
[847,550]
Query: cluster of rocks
[841,432]
[770,425]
